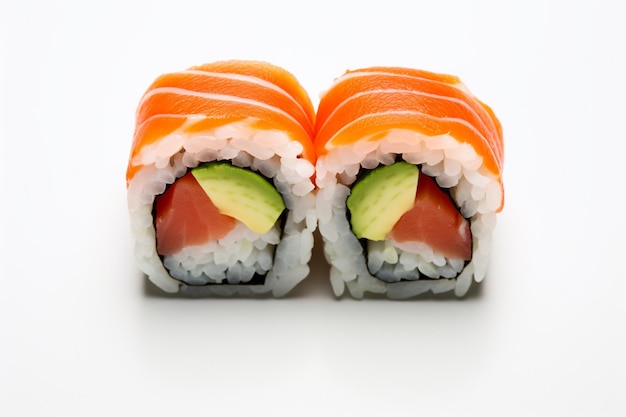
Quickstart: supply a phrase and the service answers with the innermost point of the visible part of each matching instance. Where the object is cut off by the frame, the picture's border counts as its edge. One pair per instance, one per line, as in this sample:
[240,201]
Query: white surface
[83,334]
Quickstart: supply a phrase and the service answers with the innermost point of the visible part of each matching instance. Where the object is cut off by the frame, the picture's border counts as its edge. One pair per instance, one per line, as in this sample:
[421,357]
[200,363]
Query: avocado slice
[242,194]
[380,198]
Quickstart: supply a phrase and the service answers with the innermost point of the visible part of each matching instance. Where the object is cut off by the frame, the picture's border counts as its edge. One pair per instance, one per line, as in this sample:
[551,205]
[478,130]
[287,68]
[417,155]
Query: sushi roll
[219,180]
[409,172]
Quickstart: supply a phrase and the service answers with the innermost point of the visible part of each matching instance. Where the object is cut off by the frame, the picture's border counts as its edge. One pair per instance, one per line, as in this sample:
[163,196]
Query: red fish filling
[435,221]
[186,216]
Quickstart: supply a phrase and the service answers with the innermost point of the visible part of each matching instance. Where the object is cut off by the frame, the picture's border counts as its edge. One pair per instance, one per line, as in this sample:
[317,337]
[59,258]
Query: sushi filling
[456,166]
[219,224]
[417,246]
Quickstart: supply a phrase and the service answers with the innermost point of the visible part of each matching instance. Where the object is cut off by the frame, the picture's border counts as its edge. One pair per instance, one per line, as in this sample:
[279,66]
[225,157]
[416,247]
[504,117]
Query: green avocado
[380,198]
[242,194]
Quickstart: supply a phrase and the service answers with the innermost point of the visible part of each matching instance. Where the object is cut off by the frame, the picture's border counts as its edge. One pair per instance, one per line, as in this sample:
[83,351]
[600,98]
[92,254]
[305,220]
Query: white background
[84,334]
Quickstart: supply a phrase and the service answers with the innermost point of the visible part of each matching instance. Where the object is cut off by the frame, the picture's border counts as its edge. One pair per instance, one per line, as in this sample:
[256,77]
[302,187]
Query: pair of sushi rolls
[220,189]
[231,171]
[409,182]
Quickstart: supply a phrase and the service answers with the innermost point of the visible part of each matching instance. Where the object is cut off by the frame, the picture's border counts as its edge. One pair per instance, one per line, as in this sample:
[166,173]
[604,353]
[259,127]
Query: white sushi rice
[225,267]
[408,269]
[234,259]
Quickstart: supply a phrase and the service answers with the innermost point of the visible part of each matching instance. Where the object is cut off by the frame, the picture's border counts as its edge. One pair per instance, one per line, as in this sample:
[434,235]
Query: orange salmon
[213,95]
[365,104]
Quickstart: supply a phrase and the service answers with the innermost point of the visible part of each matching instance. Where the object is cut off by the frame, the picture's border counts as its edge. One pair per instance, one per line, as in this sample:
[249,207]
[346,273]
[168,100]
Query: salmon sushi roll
[220,189]
[409,170]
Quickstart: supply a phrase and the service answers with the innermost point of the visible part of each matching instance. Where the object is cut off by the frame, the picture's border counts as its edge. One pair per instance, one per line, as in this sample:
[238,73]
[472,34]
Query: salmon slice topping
[438,104]
[256,94]
[366,105]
